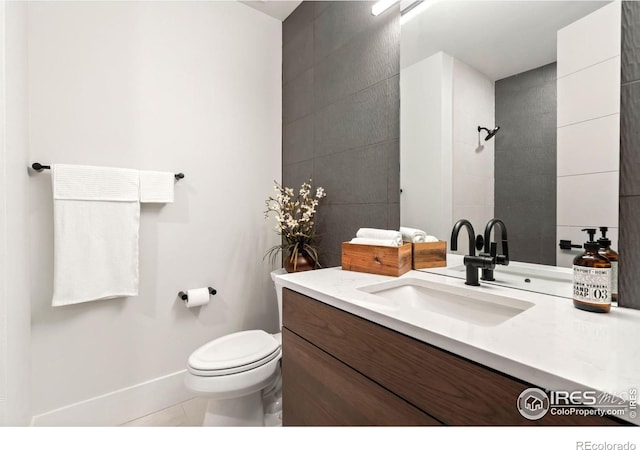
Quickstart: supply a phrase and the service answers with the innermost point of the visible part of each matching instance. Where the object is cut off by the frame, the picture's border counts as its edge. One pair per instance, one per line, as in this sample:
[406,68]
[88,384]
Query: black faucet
[471,261]
[503,259]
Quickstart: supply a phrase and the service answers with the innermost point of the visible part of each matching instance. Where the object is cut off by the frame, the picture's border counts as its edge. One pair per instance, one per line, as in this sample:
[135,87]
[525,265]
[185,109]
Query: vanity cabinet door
[320,390]
[451,389]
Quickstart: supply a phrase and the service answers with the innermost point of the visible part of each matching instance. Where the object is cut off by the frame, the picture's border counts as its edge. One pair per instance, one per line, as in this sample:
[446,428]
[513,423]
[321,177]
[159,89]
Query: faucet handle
[504,258]
[494,250]
[479,242]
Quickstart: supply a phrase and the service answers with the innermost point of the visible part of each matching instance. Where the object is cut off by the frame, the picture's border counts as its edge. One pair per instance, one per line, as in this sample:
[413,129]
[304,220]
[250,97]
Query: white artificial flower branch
[294,220]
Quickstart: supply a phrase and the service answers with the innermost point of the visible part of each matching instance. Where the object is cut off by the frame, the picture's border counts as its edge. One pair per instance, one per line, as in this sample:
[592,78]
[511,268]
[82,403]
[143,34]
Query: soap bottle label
[592,285]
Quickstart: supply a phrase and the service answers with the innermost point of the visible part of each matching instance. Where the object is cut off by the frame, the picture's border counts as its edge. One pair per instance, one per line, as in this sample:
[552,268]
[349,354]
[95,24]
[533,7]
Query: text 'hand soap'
[592,278]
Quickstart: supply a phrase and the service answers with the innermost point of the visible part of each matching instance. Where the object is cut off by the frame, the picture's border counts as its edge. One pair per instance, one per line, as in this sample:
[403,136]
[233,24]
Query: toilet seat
[234,353]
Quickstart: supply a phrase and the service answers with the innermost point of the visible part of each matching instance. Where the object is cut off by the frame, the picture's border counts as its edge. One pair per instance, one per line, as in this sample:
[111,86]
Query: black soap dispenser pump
[592,278]
[606,251]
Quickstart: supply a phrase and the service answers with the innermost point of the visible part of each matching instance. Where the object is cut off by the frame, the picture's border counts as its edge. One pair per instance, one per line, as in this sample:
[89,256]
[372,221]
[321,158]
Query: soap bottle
[612,256]
[592,278]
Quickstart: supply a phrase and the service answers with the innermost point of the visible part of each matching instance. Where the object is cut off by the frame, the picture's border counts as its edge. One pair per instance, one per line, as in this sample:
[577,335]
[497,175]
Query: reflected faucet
[471,261]
[503,259]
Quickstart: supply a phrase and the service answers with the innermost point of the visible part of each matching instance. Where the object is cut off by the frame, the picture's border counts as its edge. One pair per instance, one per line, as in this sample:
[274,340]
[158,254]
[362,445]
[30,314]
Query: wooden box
[393,261]
[427,255]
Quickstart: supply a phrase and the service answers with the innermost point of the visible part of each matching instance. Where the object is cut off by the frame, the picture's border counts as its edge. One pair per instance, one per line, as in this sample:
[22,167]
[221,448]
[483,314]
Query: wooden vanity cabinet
[340,369]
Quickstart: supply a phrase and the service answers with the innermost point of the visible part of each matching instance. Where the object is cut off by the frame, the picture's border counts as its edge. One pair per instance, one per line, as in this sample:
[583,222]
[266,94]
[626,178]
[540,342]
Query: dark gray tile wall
[341,116]
[629,239]
[630,56]
[525,163]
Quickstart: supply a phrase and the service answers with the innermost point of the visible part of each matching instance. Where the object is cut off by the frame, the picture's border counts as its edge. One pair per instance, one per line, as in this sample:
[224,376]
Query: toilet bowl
[240,375]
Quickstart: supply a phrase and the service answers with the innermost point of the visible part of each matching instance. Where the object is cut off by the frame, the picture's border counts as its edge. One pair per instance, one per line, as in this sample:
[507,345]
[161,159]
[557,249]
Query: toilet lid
[235,351]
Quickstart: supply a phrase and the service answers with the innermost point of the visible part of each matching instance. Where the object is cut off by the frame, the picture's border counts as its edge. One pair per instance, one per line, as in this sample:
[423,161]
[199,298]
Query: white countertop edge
[526,373]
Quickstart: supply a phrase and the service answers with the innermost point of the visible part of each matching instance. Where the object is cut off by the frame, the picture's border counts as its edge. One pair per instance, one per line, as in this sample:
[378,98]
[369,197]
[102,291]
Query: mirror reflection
[499,119]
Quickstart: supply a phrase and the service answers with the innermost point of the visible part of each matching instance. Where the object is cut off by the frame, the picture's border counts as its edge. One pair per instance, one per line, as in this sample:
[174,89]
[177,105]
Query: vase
[303,263]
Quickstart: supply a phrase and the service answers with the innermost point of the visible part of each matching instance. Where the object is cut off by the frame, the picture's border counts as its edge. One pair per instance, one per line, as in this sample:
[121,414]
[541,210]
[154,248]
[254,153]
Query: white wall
[426,136]
[473,157]
[193,87]
[3,220]
[14,185]
[447,171]
[588,127]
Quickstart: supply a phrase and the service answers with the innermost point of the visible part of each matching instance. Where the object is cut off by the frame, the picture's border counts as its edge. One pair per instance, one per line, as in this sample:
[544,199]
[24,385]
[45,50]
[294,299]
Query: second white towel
[412,234]
[416,236]
[156,187]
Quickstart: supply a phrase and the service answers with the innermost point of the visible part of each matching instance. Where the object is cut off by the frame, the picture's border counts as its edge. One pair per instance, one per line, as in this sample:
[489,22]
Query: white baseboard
[118,407]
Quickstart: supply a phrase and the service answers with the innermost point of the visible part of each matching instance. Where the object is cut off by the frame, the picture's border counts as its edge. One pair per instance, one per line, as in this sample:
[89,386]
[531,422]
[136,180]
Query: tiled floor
[187,414]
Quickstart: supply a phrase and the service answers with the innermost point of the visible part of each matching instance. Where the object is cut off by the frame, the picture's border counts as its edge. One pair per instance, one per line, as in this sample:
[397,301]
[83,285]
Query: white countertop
[552,344]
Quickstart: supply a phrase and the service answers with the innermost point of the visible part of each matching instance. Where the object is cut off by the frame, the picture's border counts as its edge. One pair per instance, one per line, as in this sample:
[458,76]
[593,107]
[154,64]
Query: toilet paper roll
[197,297]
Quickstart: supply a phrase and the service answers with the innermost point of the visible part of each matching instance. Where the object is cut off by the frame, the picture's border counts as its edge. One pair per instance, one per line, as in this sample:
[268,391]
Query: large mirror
[469,67]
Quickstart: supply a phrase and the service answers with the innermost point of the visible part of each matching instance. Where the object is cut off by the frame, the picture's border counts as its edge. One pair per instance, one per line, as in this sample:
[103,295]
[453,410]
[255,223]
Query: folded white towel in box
[375,233]
[156,187]
[412,234]
[96,221]
[381,242]
[429,238]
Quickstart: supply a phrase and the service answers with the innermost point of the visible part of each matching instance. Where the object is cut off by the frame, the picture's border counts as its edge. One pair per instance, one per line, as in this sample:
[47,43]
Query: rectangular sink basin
[414,297]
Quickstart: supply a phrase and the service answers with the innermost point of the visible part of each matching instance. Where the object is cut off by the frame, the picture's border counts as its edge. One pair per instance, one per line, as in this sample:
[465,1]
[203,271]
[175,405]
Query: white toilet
[240,375]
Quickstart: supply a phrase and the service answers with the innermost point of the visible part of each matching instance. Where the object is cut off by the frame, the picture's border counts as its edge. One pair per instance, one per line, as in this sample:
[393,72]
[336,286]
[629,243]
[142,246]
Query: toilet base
[244,411]
[262,408]
[272,403]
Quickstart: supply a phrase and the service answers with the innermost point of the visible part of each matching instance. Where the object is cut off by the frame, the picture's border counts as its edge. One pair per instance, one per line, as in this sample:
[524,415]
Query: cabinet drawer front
[453,390]
[320,390]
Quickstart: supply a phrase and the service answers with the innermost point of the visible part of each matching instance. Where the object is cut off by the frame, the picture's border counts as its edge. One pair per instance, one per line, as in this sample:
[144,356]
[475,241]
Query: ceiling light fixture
[381,6]
[414,9]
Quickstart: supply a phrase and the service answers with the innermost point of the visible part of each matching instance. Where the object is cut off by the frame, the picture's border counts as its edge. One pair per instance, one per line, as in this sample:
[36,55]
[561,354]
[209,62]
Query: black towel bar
[40,167]
[183,295]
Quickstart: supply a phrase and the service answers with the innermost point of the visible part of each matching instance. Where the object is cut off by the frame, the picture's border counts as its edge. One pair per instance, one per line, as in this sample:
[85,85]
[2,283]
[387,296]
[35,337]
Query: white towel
[412,234]
[381,242]
[375,233]
[430,238]
[156,187]
[72,182]
[96,221]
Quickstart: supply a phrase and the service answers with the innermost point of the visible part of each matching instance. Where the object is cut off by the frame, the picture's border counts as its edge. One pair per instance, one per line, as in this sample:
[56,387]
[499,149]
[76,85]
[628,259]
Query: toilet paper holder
[183,295]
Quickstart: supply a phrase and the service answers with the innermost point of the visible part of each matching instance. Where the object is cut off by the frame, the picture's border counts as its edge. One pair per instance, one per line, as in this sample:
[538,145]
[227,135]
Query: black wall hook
[39,167]
[183,295]
[566,244]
